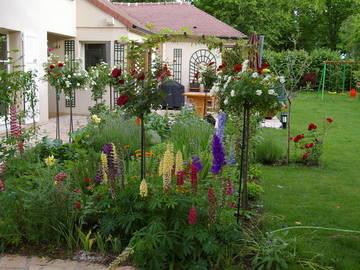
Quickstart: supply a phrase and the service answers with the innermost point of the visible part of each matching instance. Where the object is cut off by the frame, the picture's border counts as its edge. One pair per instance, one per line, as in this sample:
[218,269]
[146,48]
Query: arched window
[200,58]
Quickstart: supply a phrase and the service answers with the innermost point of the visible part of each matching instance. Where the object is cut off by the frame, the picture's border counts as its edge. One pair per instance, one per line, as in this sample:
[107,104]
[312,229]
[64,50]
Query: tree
[350,36]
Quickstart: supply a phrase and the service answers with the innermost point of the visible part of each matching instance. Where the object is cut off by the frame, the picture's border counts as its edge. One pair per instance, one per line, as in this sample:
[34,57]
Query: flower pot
[194,87]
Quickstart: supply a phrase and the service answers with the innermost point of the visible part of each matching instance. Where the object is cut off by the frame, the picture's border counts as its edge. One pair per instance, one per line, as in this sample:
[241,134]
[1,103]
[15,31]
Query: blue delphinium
[218,155]
[221,125]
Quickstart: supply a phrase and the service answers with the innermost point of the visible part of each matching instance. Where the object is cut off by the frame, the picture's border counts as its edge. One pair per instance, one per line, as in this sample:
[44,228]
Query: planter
[194,87]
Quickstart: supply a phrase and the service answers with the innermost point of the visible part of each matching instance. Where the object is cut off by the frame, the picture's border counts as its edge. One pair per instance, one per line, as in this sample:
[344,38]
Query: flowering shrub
[244,86]
[99,78]
[310,145]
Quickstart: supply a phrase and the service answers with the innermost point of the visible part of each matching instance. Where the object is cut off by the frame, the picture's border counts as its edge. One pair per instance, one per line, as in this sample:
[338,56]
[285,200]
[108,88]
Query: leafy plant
[254,191]
[269,150]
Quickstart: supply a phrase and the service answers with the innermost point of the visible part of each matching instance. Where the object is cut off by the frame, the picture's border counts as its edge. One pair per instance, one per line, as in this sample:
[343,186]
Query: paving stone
[13,261]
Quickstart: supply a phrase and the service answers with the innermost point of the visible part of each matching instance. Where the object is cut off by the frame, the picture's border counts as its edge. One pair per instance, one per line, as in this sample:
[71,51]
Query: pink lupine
[180,178]
[61,176]
[192,217]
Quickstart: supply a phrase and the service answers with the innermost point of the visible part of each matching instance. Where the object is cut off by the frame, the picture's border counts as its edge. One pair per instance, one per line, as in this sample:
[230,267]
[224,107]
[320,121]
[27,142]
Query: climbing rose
[192,216]
[116,72]
[330,120]
[51,66]
[122,100]
[312,126]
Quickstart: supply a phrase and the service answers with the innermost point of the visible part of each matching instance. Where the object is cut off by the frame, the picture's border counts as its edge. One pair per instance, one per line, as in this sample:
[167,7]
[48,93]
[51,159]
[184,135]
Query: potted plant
[208,76]
[195,84]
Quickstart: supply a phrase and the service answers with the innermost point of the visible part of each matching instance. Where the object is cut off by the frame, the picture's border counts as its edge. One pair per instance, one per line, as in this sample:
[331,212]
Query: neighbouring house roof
[171,15]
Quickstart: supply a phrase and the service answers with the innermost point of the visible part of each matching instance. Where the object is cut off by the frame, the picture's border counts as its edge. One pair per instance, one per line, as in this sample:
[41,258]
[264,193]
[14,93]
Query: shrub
[269,150]
[254,191]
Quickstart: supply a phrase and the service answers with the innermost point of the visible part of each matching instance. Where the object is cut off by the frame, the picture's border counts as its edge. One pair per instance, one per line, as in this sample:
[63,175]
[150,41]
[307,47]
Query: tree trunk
[288,132]
[57,116]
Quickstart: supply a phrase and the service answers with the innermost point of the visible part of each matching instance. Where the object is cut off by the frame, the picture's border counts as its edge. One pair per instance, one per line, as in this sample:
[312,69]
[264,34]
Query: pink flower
[61,176]
[211,196]
[192,216]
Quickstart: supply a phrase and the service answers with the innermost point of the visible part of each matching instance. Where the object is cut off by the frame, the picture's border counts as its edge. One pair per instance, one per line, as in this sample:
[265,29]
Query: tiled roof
[171,15]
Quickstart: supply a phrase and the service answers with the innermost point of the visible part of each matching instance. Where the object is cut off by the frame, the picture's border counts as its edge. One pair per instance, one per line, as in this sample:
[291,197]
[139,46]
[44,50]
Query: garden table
[201,101]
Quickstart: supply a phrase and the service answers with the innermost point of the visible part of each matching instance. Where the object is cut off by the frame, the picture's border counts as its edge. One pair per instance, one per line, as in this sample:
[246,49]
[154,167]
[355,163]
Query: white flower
[244,66]
[67,83]
[232,93]
[214,89]
[227,82]
[267,77]
[226,101]
[258,92]
[271,92]
[282,79]
[78,84]
[255,75]
[69,76]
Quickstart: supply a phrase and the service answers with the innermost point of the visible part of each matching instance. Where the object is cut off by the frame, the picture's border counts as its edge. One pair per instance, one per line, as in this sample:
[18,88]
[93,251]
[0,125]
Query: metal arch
[197,58]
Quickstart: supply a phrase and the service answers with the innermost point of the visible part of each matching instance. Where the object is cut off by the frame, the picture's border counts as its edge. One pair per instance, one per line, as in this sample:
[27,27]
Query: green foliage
[158,123]
[254,191]
[269,150]
[99,78]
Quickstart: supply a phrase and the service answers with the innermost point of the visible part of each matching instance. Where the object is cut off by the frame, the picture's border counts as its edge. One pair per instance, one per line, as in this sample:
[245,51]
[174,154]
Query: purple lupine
[221,125]
[112,164]
[197,163]
[218,155]
[98,176]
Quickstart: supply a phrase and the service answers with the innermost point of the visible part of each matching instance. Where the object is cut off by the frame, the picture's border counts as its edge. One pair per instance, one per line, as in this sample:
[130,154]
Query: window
[70,101]
[177,66]
[95,53]
[3,51]
[119,55]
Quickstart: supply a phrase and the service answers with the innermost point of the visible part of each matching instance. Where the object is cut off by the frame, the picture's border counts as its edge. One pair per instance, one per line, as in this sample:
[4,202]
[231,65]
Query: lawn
[326,196]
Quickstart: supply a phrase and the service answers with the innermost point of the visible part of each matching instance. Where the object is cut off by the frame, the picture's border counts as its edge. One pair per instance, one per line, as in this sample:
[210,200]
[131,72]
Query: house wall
[188,49]
[28,24]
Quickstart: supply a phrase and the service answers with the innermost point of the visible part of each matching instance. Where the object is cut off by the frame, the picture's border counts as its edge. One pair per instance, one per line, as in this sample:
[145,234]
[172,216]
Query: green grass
[326,196]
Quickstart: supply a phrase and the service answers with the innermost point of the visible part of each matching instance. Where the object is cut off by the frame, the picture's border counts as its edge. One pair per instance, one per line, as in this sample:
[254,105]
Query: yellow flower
[265,70]
[143,188]
[95,118]
[127,147]
[168,163]
[104,166]
[161,165]
[179,162]
[50,161]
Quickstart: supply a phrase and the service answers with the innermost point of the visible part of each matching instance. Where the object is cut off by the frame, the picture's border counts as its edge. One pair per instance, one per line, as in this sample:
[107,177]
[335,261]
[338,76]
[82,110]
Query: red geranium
[330,120]
[116,72]
[122,100]
[305,156]
[51,66]
[141,76]
[312,126]
[237,68]
[78,205]
[60,64]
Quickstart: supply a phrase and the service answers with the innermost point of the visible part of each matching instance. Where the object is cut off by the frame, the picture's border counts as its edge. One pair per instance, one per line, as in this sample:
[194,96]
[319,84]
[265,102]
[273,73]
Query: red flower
[192,216]
[116,72]
[60,64]
[122,100]
[134,72]
[121,81]
[51,66]
[141,76]
[309,145]
[180,178]
[265,65]
[298,138]
[259,70]
[211,196]
[302,147]
[305,156]
[159,75]
[232,205]
[221,67]
[77,191]
[237,68]
[330,120]
[312,126]
[2,185]
[78,205]
[211,63]
[87,180]
[291,138]
[197,74]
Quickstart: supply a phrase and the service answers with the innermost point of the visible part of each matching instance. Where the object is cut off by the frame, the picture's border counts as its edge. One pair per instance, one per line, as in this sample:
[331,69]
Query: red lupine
[193,177]
[237,68]
[312,126]
[78,205]
[309,145]
[61,176]
[116,72]
[180,178]
[122,100]
[330,120]
[306,155]
[192,216]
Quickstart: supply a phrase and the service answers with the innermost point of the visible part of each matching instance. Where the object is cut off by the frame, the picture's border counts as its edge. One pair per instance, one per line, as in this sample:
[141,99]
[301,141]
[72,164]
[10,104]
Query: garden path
[16,262]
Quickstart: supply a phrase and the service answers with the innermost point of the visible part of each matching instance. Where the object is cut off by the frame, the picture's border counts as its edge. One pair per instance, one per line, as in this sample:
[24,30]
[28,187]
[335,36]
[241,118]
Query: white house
[90,30]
